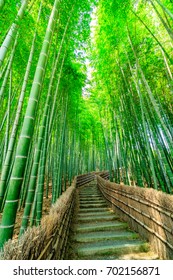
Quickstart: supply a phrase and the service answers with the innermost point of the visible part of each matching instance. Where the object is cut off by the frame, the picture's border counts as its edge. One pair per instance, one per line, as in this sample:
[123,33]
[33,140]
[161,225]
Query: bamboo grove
[57,122]
[132,52]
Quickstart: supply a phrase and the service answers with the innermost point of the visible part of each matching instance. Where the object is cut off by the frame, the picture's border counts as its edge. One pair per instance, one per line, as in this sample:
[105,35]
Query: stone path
[98,232]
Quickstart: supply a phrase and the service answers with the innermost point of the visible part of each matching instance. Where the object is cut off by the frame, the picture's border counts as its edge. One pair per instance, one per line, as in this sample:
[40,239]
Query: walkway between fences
[140,210]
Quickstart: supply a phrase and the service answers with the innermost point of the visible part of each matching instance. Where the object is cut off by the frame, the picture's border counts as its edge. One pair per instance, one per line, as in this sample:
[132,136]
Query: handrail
[148,211]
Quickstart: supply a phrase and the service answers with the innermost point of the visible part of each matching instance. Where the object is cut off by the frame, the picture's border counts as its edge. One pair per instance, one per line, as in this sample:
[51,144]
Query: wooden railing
[49,241]
[56,247]
[86,178]
[148,212]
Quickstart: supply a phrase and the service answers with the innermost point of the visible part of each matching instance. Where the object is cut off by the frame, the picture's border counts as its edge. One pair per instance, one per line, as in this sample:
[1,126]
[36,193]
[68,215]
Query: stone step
[97,218]
[93,202]
[100,235]
[90,196]
[105,235]
[101,226]
[150,255]
[92,210]
[87,190]
[129,256]
[89,185]
[95,212]
[93,205]
[91,214]
[111,247]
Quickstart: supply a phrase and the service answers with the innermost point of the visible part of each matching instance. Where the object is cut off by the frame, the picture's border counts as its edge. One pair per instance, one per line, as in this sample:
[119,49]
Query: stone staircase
[98,233]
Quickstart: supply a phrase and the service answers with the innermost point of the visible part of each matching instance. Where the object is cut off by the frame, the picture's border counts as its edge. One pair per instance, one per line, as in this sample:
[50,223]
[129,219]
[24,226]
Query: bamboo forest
[86,87]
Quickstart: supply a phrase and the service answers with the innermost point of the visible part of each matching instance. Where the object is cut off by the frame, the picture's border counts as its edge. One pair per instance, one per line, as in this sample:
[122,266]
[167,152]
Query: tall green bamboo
[41,178]
[2,2]
[6,166]
[168,29]
[165,9]
[11,35]
[10,208]
[8,69]
[38,149]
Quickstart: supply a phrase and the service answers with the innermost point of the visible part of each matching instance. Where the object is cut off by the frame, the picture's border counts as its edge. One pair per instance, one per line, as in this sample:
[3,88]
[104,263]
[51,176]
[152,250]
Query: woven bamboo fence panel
[47,241]
[148,211]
